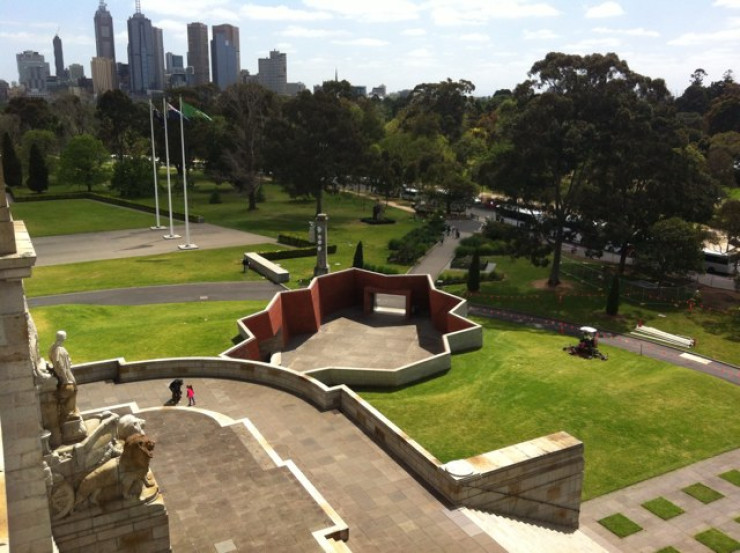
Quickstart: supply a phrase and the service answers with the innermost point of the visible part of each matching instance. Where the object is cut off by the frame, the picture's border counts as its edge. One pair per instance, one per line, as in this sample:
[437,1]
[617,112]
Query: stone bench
[266,268]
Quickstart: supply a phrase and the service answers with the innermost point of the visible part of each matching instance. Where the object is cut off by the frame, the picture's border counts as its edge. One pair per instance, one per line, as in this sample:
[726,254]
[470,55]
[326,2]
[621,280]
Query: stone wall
[539,480]
[28,518]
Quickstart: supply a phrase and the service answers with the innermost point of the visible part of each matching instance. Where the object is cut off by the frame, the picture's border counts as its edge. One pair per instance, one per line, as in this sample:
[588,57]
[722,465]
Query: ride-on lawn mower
[588,347]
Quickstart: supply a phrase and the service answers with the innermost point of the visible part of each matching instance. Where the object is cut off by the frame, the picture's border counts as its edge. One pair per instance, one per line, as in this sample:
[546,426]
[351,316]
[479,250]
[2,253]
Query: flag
[173,112]
[191,112]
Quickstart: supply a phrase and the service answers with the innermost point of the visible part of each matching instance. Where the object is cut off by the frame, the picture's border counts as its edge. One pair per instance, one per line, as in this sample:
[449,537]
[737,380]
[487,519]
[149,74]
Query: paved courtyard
[373,341]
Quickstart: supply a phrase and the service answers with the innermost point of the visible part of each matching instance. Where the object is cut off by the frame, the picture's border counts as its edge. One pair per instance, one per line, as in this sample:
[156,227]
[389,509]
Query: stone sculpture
[69,419]
[124,477]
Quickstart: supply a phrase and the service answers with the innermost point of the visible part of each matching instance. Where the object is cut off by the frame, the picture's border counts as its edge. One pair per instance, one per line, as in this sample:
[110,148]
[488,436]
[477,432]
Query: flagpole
[187,245]
[157,225]
[165,111]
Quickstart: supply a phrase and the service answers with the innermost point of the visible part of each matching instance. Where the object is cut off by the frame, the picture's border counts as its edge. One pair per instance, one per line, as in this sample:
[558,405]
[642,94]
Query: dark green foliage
[612,301]
[12,169]
[474,274]
[82,162]
[358,260]
[38,173]
[215,197]
[416,243]
[132,177]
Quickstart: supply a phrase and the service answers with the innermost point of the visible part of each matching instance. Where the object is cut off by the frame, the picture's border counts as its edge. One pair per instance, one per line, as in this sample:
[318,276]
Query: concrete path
[73,248]
[438,258]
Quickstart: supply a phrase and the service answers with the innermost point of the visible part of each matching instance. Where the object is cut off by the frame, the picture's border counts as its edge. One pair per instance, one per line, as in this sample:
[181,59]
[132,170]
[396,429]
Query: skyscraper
[158,58]
[198,52]
[273,72]
[32,70]
[104,40]
[58,57]
[141,53]
[103,72]
[225,55]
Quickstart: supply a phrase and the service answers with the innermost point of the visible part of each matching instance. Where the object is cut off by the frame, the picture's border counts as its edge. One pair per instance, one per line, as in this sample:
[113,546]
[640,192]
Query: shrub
[215,197]
[474,274]
[358,260]
[612,301]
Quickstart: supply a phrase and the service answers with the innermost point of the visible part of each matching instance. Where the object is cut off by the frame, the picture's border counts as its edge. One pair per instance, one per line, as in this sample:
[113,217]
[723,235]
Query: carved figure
[129,425]
[61,365]
[121,477]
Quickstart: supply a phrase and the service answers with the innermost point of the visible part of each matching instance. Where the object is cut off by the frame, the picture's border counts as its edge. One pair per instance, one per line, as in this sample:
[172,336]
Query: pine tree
[358,261]
[12,169]
[474,273]
[38,173]
[612,301]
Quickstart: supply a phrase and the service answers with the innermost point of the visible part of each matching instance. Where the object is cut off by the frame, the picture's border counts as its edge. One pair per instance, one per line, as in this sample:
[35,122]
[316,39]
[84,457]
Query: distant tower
[142,53]
[32,70]
[273,72]
[198,53]
[58,57]
[104,40]
[225,55]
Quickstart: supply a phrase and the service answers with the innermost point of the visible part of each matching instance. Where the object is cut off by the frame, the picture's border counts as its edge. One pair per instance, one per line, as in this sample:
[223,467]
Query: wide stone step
[518,536]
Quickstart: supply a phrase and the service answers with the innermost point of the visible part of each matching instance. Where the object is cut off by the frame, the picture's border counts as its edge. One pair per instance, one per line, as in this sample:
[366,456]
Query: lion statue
[121,477]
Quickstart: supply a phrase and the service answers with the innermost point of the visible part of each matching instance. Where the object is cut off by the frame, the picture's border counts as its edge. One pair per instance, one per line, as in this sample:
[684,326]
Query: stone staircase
[517,536]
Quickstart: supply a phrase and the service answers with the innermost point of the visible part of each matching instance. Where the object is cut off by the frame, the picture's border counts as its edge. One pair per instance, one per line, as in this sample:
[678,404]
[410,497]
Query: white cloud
[281,13]
[696,39]
[475,37]
[414,32]
[371,42]
[478,12]
[187,9]
[733,4]
[304,32]
[376,11]
[589,46]
[607,9]
[542,34]
[628,32]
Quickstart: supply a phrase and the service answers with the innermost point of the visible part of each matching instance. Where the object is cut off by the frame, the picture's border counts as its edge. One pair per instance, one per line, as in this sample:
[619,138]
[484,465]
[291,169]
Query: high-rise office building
[104,40]
[225,55]
[103,72]
[142,51]
[198,52]
[273,72]
[58,57]
[175,74]
[158,58]
[32,70]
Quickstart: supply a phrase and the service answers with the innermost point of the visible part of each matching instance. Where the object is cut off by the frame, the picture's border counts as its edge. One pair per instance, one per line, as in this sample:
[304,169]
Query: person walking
[191,395]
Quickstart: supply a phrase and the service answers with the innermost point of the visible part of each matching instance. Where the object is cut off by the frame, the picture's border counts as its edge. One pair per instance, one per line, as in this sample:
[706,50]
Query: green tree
[119,119]
[82,162]
[438,108]
[723,158]
[673,247]
[38,173]
[612,300]
[474,273]
[358,260]
[316,143]
[32,113]
[132,177]
[246,109]
[47,143]
[12,168]
[727,220]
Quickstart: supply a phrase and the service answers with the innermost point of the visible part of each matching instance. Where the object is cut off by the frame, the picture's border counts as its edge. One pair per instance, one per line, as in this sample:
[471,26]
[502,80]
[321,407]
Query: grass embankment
[143,331]
[637,416]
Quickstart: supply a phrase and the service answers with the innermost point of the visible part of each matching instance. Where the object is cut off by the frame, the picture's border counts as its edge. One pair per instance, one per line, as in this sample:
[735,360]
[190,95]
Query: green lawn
[51,218]
[663,508]
[637,416]
[620,525]
[717,333]
[703,493]
[171,330]
[220,265]
[718,541]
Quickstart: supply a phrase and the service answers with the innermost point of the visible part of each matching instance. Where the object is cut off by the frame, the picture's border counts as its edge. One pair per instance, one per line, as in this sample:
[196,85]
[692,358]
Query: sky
[402,43]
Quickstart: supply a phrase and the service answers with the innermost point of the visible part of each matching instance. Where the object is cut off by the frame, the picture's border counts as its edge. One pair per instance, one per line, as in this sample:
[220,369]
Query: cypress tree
[612,300]
[12,169]
[474,273]
[38,173]
[358,260]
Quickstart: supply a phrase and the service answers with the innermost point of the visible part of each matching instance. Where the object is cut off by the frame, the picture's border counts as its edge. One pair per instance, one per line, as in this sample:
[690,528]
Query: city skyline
[406,42]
